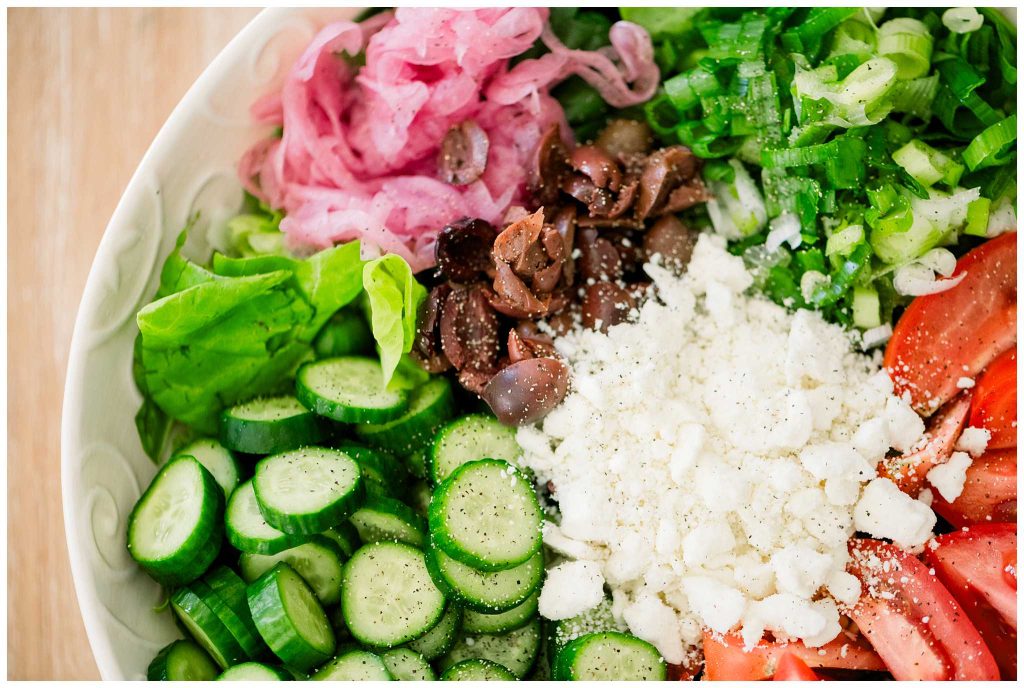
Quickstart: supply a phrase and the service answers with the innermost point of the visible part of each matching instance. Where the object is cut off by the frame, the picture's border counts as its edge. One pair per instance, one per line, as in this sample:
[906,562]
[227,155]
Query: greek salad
[600,344]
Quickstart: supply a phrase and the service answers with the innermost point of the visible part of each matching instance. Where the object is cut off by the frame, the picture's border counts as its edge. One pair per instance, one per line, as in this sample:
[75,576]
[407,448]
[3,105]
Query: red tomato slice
[912,621]
[1010,569]
[725,658]
[957,333]
[792,668]
[995,401]
[971,564]
[909,471]
[990,492]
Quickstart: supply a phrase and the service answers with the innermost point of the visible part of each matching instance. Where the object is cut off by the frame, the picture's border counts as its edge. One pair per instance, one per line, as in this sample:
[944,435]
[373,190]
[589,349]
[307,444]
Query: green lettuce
[394,298]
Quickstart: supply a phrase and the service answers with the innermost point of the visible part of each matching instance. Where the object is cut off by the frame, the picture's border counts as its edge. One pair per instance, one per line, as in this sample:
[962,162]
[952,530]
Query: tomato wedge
[958,332]
[792,668]
[995,401]
[912,621]
[909,471]
[725,658]
[971,564]
[990,492]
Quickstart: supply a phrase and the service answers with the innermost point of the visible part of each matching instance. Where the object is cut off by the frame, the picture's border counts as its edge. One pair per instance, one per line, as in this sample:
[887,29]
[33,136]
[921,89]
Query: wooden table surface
[87,91]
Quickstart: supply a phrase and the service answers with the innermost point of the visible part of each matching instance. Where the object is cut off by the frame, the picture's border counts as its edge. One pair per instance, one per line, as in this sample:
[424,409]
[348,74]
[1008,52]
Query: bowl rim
[174,126]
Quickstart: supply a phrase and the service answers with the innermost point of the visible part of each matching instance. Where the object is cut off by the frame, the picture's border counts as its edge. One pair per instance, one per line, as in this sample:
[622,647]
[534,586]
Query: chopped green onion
[915,96]
[859,99]
[686,89]
[661,22]
[854,37]
[807,37]
[866,308]
[963,80]
[662,116]
[994,146]
[977,217]
[927,165]
[737,208]
[843,242]
[962,19]
[908,42]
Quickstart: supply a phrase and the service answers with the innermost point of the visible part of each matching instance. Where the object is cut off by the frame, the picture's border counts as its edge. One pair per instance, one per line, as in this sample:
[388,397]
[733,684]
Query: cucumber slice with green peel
[502,622]
[291,621]
[206,628]
[308,490]
[229,585]
[383,474]
[238,622]
[345,536]
[387,596]
[182,660]
[471,438]
[382,519]
[430,405]
[419,496]
[516,651]
[318,561]
[609,656]
[486,515]
[477,670]
[354,665]
[349,389]
[248,531]
[416,462]
[217,459]
[268,426]
[255,671]
[345,334]
[596,620]
[408,665]
[439,639]
[176,527]
[489,592]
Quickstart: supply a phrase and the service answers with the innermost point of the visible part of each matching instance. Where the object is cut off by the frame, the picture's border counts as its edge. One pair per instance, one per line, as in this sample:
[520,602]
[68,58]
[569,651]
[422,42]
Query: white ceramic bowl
[190,167]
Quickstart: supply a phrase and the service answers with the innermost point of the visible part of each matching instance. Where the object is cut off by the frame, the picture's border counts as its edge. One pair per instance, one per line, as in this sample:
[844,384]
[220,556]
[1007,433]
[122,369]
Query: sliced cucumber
[182,660]
[318,561]
[248,531]
[468,439]
[502,622]
[417,462]
[308,490]
[345,334]
[407,665]
[441,637]
[345,536]
[486,515]
[430,405]
[349,389]
[418,497]
[489,592]
[477,670]
[255,671]
[595,620]
[238,622]
[609,656]
[268,426]
[290,619]
[382,519]
[387,596]
[203,624]
[176,527]
[378,467]
[516,651]
[217,459]
[354,665]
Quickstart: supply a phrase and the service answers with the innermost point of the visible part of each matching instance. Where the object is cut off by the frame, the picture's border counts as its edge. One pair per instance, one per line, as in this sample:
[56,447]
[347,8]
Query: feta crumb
[570,589]
[884,511]
[949,478]
[974,441]
[964,383]
[719,606]
[905,427]
[652,620]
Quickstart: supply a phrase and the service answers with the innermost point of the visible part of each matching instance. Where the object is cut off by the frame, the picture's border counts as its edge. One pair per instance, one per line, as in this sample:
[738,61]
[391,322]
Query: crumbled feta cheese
[964,383]
[974,441]
[570,589]
[949,478]
[884,511]
[726,446]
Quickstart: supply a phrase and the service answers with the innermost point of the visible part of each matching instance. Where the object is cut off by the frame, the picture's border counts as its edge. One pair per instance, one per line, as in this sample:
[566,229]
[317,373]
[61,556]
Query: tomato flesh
[912,621]
[792,668]
[990,492]
[995,401]
[972,565]
[956,333]
[726,659]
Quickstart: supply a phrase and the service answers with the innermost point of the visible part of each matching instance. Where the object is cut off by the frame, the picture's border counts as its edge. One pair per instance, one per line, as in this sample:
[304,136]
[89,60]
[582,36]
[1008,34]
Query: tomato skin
[792,668]
[990,492]
[957,333]
[944,428]
[995,401]
[971,564]
[726,660]
[912,621]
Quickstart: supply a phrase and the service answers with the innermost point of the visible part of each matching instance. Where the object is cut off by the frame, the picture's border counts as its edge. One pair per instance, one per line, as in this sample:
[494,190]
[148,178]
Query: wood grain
[88,89]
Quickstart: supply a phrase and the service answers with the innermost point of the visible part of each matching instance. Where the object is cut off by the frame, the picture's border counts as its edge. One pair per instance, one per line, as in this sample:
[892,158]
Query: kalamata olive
[596,164]
[552,165]
[598,259]
[427,345]
[672,240]
[625,137]
[469,329]
[463,250]
[526,391]
[663,171]
[606,304]
[463,156]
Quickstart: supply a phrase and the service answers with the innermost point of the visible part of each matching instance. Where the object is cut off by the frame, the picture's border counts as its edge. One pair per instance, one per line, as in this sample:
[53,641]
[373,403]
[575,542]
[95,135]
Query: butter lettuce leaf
[394,298]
